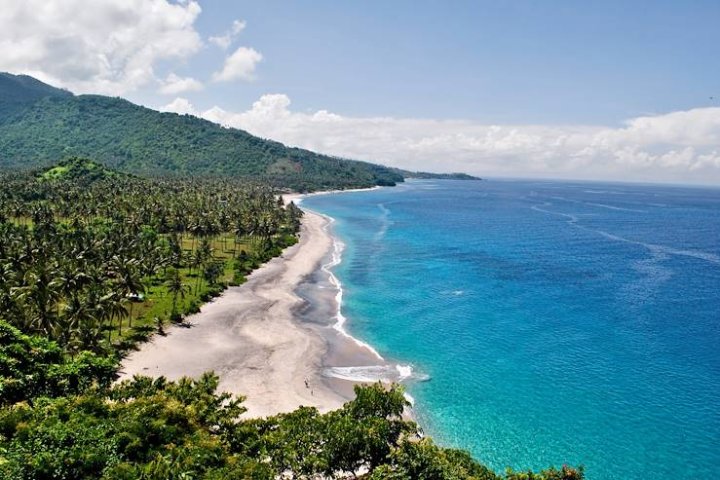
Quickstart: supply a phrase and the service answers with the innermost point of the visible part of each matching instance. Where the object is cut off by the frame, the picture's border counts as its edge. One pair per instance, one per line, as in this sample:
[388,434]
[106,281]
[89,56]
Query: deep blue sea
[558,322]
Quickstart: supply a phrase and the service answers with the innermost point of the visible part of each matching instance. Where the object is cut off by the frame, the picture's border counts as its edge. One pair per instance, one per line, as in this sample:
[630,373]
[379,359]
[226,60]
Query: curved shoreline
[250,338]
[278,339]
[365,365]
[254,338]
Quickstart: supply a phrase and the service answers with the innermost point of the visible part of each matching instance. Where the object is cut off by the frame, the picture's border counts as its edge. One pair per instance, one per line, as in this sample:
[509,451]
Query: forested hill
[19,91]
[40,125]
[435,176]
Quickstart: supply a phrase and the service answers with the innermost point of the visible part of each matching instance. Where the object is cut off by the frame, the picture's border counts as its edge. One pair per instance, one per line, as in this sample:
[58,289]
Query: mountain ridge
[41,125]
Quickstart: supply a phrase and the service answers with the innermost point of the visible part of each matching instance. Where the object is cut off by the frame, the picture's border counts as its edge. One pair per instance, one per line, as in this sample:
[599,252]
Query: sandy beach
[250,338]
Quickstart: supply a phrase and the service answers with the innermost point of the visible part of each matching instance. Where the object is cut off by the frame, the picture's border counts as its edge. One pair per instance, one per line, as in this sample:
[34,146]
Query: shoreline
[277,339]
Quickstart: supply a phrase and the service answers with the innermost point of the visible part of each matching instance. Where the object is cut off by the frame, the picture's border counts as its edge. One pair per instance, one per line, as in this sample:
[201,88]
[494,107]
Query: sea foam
[369,373]
[340,319]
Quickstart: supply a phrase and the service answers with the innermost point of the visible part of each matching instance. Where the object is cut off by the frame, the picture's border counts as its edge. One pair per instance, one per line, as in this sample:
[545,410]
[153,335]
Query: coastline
[277,339]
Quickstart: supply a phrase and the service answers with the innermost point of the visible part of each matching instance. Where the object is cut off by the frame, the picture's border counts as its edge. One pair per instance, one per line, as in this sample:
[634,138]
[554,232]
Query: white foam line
[363,373]
[654,248]
[664,249]
[613,207]
[600,205]
[372,373]
[340,319]
[572,218]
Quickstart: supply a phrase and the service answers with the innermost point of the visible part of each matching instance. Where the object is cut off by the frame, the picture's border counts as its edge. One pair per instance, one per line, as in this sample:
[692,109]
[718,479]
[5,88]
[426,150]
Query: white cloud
[239,66]
[680,146]
[174,84]
[179,105]
[109,46]
[225,40]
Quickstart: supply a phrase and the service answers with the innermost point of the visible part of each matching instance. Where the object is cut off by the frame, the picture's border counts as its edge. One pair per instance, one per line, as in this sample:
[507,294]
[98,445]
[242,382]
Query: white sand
[249,338]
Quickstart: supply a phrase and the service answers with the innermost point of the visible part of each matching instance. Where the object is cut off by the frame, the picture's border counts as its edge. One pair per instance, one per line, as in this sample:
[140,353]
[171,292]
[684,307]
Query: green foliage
[155,429]
[43,124]
[85,251]
[81,169]
[32,366]
[423,460]
[565,473]
[18,91]
[139,429]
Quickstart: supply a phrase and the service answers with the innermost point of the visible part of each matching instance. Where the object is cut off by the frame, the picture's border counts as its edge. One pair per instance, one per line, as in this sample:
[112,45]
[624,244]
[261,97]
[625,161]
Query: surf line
[368,373]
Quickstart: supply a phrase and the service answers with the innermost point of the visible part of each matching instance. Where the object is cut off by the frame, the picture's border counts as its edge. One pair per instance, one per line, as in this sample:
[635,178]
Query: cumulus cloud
[180,105]
[109,46]
[225,40]
[174,84]
[679,146]
[240,65]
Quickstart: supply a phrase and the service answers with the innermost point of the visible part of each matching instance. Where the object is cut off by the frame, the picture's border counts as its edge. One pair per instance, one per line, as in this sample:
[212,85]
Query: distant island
[434,176]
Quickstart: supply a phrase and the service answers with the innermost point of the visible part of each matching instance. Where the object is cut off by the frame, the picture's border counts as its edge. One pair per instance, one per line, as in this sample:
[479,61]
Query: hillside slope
[40,124]
[19,91]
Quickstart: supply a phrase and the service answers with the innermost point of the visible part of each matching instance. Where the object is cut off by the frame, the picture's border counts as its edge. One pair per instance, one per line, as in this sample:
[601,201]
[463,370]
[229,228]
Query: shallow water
[558,322]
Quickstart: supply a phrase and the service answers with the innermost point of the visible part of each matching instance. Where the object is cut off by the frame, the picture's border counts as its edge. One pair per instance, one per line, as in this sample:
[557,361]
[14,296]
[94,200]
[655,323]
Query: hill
[75,168]
[40,124]
[18,91]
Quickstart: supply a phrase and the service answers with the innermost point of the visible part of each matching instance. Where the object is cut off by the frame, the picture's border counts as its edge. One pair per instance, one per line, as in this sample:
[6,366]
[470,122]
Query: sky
[613,90]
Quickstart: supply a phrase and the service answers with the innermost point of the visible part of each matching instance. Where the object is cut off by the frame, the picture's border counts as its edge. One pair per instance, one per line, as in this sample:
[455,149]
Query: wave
[663,250]
[606,192]
[367,373]
[572,219]
[340,319]
[375,373]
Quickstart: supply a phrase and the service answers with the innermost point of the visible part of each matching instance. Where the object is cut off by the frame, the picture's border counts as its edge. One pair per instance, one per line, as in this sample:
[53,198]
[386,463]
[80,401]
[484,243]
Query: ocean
[545,322]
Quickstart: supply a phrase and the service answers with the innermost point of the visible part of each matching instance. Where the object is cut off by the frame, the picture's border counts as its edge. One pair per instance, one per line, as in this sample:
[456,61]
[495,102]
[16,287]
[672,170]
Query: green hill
[40,125]
[78,168]
[19,91]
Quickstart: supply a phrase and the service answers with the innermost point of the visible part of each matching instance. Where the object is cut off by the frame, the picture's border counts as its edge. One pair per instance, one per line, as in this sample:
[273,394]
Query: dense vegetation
[40,124]
[86,253]
[91,262]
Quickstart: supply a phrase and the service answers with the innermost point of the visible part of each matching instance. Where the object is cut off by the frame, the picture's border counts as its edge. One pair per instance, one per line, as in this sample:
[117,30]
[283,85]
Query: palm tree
[112,306]
[176,288]
[39,295]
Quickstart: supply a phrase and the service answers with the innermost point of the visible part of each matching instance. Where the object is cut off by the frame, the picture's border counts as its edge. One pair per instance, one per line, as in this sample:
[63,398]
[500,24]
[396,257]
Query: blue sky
[511,62]
[565,89]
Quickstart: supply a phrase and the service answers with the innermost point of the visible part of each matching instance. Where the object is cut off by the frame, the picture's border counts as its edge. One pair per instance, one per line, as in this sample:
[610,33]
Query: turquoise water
[558,322]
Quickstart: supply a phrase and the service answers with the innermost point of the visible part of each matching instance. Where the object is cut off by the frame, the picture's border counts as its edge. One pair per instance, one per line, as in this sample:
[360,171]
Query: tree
[176,288]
